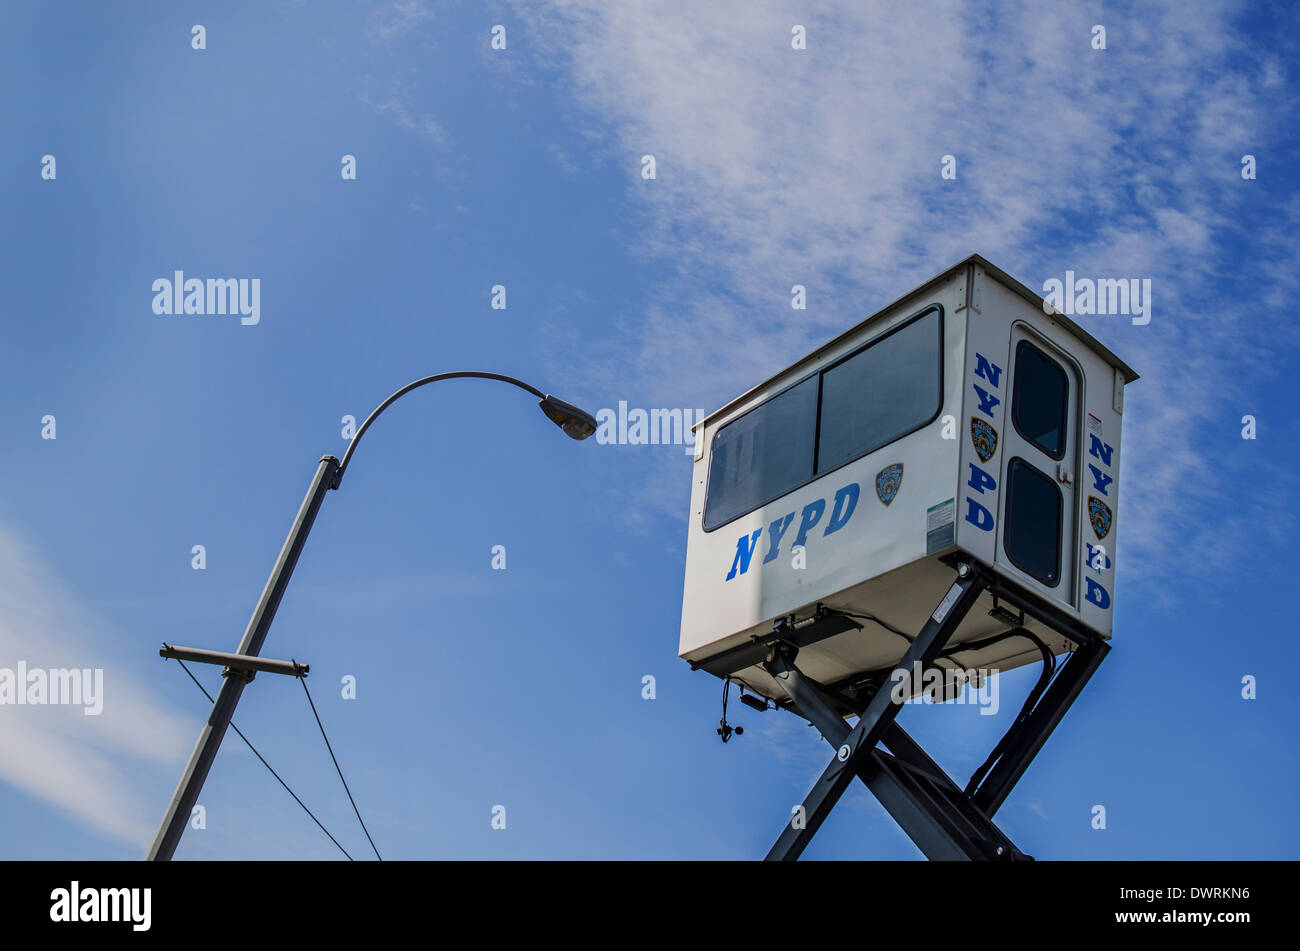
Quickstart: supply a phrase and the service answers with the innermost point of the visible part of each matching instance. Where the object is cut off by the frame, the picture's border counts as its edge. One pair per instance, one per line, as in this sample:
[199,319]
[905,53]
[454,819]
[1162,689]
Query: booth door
[1040,476]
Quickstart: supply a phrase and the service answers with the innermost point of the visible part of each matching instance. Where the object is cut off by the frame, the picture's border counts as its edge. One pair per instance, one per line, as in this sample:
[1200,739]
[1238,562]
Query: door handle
[1063,474]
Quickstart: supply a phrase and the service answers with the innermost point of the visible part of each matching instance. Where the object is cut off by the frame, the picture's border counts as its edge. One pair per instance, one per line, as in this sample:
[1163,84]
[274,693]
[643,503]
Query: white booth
[966,420]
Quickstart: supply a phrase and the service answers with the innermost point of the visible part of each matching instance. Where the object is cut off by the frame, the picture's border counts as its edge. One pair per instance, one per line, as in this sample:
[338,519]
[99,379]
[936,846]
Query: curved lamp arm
[575,422]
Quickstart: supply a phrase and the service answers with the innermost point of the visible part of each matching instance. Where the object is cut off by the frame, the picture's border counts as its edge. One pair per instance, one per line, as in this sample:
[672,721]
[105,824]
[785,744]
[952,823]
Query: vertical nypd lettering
[744,552]
[979,516]
[990,371]
[1097,594]
[1099,479]
[976,513]
[987,402]
[1099,516]
[1097,559]
[1099,449]
[980,480]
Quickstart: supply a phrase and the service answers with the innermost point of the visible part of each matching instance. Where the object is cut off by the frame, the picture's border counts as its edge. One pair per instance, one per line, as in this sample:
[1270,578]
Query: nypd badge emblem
[888,481]
[984,438]
[1099,515]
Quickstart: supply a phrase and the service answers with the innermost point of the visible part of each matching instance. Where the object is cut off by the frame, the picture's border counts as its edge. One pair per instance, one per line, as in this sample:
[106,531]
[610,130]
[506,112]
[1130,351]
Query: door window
[1032,534]
[1040,399]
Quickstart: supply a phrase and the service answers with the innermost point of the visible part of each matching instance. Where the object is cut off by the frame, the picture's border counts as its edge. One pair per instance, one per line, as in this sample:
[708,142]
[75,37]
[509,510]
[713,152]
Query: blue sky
[521,167]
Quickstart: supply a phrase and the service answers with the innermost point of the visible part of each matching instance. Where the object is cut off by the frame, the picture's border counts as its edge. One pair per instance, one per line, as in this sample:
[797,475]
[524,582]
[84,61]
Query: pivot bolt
[844,752]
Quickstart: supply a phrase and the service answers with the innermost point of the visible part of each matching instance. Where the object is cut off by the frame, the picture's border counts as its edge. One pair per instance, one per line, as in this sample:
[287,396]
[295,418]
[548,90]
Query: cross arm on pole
[244,663]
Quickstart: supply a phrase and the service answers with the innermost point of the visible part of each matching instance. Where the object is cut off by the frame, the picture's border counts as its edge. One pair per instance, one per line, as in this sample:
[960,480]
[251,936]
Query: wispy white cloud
[396,20]
[88,766]
[391,28]
[396,105]
[821,167]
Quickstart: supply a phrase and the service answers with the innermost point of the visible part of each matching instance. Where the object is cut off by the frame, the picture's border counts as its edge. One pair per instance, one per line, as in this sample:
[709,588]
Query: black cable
[888,627]
[267,765]
[1049,669]
[303,681]
[988,641]
[907,637]
[725,729]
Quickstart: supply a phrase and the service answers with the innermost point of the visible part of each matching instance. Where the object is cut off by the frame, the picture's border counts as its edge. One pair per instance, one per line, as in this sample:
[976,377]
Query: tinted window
[875,396]
[1039,400]
[884,391]
[763,454]
[1032,533]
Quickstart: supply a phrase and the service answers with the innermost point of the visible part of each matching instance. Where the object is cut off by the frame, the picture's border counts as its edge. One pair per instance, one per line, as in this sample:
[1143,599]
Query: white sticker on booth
[946,604]
[940,526]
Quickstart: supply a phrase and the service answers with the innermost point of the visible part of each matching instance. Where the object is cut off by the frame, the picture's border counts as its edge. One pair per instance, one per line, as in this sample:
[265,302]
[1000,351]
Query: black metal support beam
[855,748]
[1033,733]
[808,700]
[931,808]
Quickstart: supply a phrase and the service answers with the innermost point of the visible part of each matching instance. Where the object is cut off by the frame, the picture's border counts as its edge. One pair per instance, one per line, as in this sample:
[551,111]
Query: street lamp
[576,424]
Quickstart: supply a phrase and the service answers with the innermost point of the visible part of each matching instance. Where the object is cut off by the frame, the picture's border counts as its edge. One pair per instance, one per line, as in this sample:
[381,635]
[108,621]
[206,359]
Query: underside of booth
[852,642]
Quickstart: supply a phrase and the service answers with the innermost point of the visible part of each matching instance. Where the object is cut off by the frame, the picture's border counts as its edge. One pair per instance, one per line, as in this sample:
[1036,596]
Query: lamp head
[576,423]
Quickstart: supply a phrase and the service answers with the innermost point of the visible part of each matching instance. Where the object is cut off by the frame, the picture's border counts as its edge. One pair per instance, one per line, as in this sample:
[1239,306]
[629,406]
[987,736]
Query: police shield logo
[1099,515]
[984,438]
[888,481]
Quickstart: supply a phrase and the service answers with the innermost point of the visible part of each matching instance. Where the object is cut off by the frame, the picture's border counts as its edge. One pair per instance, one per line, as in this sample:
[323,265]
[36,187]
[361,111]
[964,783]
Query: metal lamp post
[239,671]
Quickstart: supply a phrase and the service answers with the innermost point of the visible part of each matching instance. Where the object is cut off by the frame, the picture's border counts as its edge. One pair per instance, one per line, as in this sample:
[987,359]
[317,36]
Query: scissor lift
[944,820]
